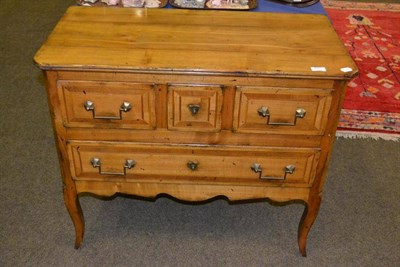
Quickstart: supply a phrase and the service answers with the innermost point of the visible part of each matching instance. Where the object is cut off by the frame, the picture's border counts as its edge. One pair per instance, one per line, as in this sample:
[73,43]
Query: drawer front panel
[194,108]
[107,104]
[281,110]
[194,164]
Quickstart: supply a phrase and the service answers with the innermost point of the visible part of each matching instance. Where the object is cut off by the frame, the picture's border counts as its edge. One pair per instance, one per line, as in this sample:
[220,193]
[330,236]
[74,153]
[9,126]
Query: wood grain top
[195,41]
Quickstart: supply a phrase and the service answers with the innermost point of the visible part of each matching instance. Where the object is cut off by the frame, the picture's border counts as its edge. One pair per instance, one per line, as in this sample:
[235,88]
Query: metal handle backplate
[96,163]
[125,107]
[299,114]
[289,169]
[192,165]
[194,108]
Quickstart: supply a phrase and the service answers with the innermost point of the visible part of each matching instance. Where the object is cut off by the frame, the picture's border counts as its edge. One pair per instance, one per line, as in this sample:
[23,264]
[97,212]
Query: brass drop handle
[299,114]
[289,169]
[192,165]
[194,108]
[125,107]
[129,164]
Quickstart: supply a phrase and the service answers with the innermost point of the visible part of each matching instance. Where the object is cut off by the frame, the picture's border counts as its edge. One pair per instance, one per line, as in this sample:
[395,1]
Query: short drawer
[281,110]
[194,108]
[107,104]
[162,163]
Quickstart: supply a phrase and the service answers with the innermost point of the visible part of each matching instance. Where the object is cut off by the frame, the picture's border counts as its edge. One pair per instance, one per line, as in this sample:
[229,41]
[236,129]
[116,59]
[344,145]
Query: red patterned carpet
[372,104]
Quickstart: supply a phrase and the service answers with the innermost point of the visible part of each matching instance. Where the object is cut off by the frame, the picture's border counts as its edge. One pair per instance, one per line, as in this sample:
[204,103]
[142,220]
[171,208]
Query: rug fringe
[346,5]
[368,135]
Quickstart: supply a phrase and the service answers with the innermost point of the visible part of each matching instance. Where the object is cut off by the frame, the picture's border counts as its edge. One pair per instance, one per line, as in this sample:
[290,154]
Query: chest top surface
[170,40]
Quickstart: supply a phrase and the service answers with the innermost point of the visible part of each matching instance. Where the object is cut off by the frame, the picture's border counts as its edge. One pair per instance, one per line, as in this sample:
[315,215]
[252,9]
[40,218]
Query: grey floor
[358,225]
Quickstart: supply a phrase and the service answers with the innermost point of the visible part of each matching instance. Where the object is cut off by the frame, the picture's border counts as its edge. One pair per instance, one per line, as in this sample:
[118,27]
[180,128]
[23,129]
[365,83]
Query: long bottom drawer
[199,164]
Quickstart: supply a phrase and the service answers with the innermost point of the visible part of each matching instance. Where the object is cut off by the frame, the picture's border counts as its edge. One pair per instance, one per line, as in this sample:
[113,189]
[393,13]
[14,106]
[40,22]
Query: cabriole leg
[307,220]
[75,211]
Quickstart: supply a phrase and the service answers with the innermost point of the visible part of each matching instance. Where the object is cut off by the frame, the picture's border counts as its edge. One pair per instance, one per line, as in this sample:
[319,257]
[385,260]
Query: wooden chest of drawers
[194,104]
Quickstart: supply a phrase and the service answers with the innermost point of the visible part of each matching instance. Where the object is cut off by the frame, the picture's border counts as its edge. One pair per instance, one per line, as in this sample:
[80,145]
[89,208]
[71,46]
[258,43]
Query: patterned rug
[372,103]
